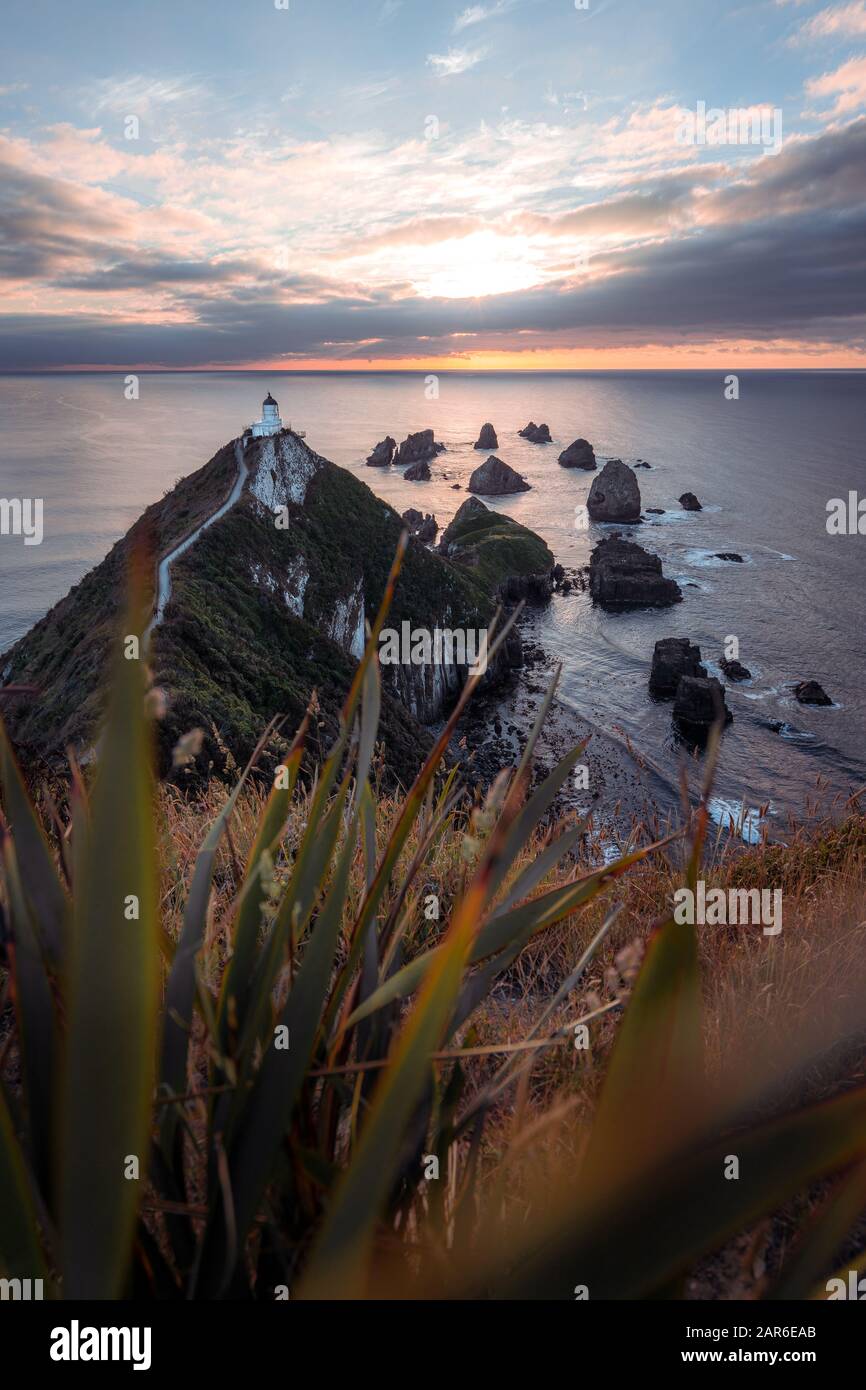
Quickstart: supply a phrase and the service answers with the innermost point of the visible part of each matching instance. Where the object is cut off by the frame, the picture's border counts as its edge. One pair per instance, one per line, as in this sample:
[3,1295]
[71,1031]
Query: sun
[476,266]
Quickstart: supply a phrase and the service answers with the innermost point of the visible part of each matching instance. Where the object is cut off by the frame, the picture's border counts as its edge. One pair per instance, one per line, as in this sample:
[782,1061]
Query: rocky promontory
[478,539]
[267,605]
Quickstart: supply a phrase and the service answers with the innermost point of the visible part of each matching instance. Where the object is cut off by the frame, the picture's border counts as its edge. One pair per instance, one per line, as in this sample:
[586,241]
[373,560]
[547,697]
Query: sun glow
[475,266]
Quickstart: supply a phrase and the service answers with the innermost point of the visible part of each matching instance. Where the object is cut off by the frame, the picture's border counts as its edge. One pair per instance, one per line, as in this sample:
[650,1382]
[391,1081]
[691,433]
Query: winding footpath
[163,586]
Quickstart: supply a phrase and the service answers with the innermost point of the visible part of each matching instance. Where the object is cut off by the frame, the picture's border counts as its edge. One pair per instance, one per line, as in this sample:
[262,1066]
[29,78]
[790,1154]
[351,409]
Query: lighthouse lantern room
[270,422]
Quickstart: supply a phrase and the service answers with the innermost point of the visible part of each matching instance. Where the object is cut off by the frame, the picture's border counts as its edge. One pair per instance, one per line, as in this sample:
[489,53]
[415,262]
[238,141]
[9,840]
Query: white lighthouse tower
[270,422]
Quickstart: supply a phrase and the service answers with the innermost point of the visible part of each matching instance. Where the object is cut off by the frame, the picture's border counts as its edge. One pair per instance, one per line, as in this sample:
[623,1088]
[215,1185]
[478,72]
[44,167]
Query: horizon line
[411,371]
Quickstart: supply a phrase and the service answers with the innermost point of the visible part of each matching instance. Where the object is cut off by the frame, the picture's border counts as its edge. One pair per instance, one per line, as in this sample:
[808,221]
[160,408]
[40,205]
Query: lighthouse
[270,422]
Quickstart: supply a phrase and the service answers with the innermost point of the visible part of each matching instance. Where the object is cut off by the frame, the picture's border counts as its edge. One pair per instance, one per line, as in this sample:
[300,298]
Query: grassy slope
[64,654]
[496,547]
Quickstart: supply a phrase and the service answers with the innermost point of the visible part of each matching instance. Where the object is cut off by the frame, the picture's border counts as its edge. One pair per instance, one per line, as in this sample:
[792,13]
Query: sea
[765,461]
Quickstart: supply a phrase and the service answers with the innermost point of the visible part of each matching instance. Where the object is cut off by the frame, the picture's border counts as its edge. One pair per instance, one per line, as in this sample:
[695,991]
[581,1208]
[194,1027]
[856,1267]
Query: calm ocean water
[764,467]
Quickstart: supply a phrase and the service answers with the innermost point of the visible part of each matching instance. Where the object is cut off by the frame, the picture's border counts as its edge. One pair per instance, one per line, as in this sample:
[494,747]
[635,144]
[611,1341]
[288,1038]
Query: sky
[368,184]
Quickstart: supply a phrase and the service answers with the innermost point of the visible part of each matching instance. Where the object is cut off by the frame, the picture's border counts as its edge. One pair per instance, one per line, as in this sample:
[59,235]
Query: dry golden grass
[767,1000]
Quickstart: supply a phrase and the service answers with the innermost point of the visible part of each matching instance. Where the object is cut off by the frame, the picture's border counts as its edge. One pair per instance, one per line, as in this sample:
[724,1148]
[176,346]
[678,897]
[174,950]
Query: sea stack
[383,454]
[418,472]
[424,527]
[579,454]
[699,704]
[624,575]
[418,447]
[487,438]
[614,495]
[494,478]
[673,658]
[536,434]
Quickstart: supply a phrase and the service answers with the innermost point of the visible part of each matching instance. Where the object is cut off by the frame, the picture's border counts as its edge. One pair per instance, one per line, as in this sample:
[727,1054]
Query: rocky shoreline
[620,791]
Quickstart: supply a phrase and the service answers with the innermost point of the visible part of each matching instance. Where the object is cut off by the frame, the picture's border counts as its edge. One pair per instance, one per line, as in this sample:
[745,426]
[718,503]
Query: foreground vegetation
[353,1045]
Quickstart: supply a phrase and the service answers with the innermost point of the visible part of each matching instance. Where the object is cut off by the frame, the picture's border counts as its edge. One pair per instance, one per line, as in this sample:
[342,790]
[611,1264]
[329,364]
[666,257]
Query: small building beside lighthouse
[270,422]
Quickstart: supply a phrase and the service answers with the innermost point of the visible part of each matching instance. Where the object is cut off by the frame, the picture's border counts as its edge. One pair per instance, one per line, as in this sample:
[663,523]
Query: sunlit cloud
[322,214]
[476,14]
[846,83]
[836,22]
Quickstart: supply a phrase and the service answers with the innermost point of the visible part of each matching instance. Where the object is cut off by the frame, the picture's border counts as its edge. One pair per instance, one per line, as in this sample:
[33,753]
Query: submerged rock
[383,454]
[536,434]
[730,555]
[624,575]
[699,703]
[690,503]
[418,447]
[735,670]
[487,438]
[493,478]
[614,495]
[673,658]
[579,454]
[811,693]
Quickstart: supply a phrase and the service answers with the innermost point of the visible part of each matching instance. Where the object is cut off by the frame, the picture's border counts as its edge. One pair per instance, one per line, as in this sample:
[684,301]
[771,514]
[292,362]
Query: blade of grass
[34,856]
[112,1001]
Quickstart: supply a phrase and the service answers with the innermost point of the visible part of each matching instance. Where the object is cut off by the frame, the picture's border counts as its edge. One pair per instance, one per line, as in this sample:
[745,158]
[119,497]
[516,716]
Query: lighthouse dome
[270,422]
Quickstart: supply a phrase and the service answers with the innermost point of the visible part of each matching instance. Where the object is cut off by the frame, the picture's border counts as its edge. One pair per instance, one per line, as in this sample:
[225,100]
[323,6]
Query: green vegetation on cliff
[497,548]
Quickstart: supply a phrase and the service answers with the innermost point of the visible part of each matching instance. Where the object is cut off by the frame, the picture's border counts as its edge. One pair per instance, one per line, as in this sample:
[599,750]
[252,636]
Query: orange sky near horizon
[727,358]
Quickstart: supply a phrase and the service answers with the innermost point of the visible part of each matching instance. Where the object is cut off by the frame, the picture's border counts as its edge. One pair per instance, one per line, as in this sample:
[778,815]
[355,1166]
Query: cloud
[837,22]
[828,171]
[455,61]
[847,83]
[194,253]
[374,90]
[797,277]
[149,271]
[47,225]
[475,14]
[139,94]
